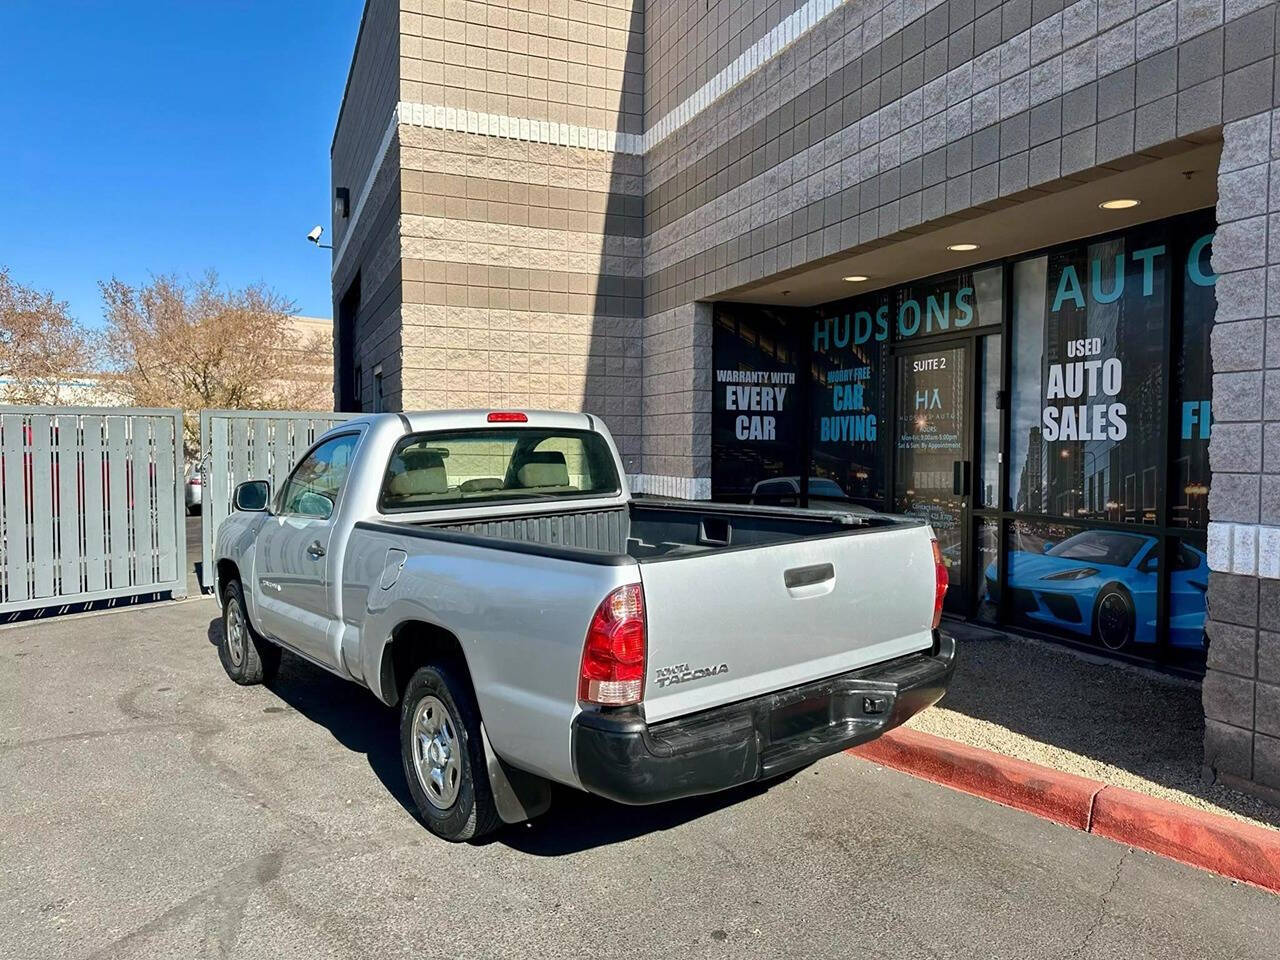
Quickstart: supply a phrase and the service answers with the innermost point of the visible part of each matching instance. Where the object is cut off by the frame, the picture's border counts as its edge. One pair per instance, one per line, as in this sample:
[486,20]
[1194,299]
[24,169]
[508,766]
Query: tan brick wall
[568,61]
[522,261]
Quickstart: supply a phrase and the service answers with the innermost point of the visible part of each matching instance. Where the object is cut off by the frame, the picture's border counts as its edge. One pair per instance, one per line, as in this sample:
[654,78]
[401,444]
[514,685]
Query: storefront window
[950,304]
[987,583]
[1193,383]
[1088,380]
[1188,582]
[1085,583]
[987,482]
[1098,436]
[849,431]
[756,421]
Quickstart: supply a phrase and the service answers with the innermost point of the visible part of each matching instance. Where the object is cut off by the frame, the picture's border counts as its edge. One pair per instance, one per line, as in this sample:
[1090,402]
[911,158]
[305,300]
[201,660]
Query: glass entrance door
[933,468]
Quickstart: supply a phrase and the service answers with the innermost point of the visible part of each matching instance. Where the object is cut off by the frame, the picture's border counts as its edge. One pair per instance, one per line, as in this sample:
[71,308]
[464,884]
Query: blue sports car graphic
[1102,584]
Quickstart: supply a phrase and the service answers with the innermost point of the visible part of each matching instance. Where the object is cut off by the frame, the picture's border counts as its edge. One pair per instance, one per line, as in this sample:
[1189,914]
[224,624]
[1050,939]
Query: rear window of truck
[496,465]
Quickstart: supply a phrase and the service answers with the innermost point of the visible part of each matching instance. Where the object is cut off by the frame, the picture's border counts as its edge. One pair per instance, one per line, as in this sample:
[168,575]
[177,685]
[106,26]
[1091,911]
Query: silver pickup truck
[490,574]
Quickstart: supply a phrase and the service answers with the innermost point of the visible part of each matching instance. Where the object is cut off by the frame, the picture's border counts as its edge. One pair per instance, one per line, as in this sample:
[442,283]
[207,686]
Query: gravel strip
[1120,724]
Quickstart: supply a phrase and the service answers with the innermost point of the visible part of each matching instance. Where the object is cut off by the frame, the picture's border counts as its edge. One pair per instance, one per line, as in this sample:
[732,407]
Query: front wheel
[1113,617]
[443,755]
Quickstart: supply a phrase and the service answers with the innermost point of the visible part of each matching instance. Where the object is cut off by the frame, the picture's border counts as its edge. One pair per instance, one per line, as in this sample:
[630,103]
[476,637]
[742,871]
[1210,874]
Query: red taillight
[613,657]
[195,479]
[940,581]
[508,416]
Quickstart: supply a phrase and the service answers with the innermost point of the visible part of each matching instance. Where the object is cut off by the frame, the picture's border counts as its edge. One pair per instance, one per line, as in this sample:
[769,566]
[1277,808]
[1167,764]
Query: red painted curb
[1209,840]
[1062,797]
[1233,848]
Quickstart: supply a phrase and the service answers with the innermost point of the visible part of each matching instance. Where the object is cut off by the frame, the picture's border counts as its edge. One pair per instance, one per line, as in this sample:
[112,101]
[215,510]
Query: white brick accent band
[1245,548]
[529,130]
[518,128]
[682,488]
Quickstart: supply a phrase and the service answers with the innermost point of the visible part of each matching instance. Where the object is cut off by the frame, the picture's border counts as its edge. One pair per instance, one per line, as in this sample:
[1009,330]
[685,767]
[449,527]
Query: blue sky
[171,136]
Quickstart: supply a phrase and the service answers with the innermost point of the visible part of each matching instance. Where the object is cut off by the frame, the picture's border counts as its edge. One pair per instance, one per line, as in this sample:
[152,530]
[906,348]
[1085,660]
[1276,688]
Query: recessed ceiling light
[962,247]
[856,278]
[1123,204]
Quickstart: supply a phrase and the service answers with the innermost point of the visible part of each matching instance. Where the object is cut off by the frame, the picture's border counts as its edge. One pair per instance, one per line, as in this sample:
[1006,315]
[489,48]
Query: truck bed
[742,599]
[648,530]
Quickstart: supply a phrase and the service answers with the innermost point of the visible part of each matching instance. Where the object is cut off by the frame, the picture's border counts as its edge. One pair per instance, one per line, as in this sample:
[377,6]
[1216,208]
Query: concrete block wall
[1241,689]
[677,402]
[365,162]
[373,81]
[853,124]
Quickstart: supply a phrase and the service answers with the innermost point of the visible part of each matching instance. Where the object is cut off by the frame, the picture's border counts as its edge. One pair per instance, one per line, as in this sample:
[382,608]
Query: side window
[313,488]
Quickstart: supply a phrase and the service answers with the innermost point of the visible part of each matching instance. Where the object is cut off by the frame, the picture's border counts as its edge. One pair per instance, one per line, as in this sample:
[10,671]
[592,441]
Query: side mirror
[252,496]
[1048,545]
[312,504]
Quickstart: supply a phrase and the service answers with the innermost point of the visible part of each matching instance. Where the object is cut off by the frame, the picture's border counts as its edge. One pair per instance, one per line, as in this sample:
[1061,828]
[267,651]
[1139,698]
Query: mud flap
[518,795]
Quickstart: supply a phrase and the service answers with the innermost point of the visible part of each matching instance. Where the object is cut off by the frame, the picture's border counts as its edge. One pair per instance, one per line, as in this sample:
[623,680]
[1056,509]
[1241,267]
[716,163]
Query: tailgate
[731,624]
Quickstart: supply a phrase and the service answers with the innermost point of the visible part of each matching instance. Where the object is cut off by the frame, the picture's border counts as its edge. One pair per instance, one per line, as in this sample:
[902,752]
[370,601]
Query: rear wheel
[443,755]
[246,655]
[1113,617]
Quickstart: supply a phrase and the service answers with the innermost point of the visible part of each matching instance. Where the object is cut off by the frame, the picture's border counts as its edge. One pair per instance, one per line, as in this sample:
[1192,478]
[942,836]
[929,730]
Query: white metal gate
[239,445]
[91,505]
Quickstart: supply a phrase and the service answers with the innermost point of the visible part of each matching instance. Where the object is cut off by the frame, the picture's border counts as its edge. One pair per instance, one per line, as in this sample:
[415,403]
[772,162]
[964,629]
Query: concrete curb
[1241,851]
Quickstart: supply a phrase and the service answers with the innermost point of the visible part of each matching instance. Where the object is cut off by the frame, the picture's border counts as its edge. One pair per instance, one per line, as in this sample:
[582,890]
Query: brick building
[879,251]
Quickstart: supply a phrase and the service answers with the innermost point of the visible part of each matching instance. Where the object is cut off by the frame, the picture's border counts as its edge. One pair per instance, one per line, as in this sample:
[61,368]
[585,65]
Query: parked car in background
[824,494]
[193,488]
[489,574]
[1102,584]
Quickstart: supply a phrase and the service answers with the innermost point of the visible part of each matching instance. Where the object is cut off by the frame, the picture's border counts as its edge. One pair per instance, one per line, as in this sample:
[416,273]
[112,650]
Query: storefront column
[677,404]
[1241,691]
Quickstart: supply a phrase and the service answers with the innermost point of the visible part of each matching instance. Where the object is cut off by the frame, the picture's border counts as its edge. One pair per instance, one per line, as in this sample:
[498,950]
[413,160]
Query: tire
[1113,617]
[247,656]
[443,755]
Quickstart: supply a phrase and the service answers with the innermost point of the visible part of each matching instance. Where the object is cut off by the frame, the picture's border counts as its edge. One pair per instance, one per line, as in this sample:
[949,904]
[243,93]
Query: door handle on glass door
[315,551]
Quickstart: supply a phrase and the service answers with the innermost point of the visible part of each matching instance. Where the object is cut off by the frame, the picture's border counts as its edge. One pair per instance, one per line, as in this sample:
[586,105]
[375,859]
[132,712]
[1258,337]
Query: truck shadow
[576,821]
[351,714]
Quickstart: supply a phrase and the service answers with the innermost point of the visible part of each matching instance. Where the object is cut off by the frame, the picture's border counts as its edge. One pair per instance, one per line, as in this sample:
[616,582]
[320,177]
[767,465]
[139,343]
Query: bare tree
[198,344]
[41,346]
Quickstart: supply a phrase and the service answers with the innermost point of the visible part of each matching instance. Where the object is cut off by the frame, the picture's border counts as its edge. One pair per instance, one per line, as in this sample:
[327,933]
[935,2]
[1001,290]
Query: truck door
[293,563]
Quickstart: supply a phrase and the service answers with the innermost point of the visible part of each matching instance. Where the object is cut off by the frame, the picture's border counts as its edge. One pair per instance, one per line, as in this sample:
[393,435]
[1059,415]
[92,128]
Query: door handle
[315,551]
[808,576]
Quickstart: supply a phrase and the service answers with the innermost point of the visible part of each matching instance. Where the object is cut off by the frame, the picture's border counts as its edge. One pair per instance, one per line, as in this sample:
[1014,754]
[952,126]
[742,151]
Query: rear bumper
[620,756]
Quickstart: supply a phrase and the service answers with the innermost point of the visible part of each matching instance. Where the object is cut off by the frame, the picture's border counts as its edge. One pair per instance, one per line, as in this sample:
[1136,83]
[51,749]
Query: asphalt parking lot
[151,808]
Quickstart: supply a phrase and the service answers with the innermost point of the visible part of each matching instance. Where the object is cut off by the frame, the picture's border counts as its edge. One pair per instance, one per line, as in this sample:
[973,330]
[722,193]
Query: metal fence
[91,505]
[239,445]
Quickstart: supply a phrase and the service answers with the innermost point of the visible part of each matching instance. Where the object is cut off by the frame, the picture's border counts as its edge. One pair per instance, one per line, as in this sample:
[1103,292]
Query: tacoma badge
[680,673]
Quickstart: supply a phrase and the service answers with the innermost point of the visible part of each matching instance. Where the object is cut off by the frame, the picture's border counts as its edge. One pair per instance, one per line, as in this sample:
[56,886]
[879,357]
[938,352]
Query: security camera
[316,233]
